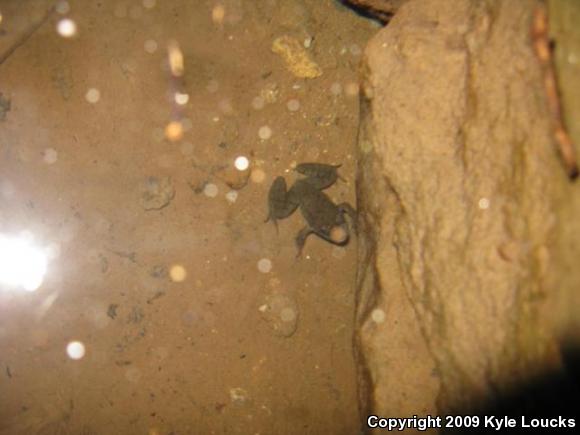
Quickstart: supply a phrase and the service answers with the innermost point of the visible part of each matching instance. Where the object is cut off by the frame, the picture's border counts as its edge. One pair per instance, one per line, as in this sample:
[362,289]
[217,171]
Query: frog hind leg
[319,175]
[301,239]
[345,207]
[281,202]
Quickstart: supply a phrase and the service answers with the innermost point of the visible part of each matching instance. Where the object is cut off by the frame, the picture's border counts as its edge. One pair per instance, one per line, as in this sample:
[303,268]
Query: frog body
[323,217]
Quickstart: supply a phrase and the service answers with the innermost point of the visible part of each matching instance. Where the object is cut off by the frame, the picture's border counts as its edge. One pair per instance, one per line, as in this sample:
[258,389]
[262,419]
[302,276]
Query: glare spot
[257,175]
[176,64]
[351,89]
[150,46]
[66,28]
[62,7]
[181,99]
[338,234]
[149,4]
[265,132]
[21,263]
[217,14]
[336,89]
[49,156]
[177,273]
[258,103]
[212,86]
[174,131]
[75,350]
[483,203]
[232,196]
[93,95]
[293,105]
[210,190]
[264,265]
[378,315]
[241,163]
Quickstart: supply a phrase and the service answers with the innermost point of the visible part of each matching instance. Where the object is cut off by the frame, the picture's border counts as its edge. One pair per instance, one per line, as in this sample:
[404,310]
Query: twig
[542,47]
[26,35]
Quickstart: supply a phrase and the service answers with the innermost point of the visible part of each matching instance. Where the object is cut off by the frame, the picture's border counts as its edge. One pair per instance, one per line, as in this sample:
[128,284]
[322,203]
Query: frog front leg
[281,202]
[345,207]
[301,239]
[319,175]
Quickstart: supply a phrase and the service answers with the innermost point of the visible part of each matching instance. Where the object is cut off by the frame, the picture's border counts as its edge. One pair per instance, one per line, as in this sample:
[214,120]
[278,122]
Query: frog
[323,217]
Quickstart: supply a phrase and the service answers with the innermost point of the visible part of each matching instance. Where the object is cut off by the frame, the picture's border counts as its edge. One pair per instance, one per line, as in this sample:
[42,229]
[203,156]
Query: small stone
[157,193]
[281,313]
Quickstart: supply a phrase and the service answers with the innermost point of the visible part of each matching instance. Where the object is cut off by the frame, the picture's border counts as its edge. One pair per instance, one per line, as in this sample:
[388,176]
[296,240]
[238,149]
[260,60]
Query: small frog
[323,217]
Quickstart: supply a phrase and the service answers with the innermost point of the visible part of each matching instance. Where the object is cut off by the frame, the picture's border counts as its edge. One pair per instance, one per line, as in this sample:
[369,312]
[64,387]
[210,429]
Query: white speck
[241,163]
[265,132]
[66,28]
[93,95]
[572,58]
[308,42]
[264,265]
[263,308]
[212,86]
[216,119]
[293,105]
[181,99]
[50,156]
[238,395]
[210,190]
[258,103]
[149,4]
[355,50]
[62,7]
[150,46]
[336,89]
[75,350]
[483,203]
[232,196]
[378,315]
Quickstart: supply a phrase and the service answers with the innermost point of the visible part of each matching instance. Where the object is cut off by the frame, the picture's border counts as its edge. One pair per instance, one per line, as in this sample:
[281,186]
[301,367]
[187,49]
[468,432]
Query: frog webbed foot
[281,202]
[319,175]
[345,207]
[301,239]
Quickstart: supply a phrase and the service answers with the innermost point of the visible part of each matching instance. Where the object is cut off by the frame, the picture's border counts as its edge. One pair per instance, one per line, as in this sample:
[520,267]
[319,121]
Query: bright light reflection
[75,350]
[21,263]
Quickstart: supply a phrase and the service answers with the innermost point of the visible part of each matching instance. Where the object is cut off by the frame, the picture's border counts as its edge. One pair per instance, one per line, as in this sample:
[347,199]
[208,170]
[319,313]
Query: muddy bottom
[168,305]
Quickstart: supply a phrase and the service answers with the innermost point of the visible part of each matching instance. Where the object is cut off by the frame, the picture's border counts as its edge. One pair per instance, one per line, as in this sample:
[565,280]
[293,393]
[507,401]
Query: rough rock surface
[459,184]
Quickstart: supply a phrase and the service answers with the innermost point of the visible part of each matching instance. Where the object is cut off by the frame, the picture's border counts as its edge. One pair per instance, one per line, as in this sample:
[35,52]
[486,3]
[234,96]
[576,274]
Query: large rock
[459,186]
